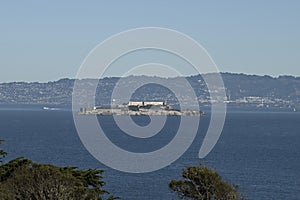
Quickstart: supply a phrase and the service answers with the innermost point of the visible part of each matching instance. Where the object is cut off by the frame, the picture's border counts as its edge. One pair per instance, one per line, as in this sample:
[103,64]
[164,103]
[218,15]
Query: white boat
[47,108]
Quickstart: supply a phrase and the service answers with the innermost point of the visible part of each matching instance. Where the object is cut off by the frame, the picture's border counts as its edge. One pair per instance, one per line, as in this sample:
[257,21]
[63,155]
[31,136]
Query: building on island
[142,105]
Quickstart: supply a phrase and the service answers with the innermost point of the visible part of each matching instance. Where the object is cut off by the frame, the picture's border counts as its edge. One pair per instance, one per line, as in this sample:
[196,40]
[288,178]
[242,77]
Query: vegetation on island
[202,183]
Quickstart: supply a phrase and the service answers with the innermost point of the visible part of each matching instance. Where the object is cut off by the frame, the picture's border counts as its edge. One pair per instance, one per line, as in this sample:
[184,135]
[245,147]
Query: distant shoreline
[242,90]
[205,109]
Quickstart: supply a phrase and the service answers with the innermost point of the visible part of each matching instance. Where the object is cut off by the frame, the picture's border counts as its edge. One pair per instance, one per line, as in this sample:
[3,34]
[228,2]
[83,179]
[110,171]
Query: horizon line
[157,76]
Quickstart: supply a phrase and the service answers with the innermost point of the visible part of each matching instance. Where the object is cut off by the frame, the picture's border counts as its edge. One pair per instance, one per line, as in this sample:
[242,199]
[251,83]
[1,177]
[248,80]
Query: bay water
[259,151]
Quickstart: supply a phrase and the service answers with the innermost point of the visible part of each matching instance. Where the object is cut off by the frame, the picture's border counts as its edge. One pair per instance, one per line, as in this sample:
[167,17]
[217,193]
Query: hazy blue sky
[48,40]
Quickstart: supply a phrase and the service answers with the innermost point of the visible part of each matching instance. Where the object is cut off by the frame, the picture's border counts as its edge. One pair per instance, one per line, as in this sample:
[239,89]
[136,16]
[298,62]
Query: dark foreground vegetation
[2,153]
[202,183]
[22,179]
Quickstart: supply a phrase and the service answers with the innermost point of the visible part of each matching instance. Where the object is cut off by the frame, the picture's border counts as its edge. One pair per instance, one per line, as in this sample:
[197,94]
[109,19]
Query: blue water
[259,151]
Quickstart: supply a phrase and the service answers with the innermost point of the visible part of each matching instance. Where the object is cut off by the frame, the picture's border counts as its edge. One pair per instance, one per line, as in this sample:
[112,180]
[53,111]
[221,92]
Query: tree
[23,179]
[2,153]
[202,183]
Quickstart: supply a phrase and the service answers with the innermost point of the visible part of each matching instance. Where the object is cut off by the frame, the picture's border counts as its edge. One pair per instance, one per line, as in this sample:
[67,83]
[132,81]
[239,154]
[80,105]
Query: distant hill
[242,91]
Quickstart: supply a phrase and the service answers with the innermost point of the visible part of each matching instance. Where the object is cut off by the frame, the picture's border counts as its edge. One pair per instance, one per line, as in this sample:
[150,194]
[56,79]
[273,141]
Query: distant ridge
[242,90]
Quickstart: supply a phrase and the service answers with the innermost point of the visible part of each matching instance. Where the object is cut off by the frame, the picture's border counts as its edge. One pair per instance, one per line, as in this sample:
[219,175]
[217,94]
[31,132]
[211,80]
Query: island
[159,108]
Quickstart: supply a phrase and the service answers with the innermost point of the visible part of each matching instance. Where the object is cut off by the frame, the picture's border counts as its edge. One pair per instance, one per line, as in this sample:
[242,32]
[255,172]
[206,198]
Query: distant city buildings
[242,90]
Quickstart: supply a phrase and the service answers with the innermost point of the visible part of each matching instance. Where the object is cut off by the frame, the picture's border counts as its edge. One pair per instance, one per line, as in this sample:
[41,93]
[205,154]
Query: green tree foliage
[202,183]
[2,153]
[23,179]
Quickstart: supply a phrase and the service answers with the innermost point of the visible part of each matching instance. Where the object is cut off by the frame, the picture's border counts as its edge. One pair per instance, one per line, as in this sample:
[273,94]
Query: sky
[48,40]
